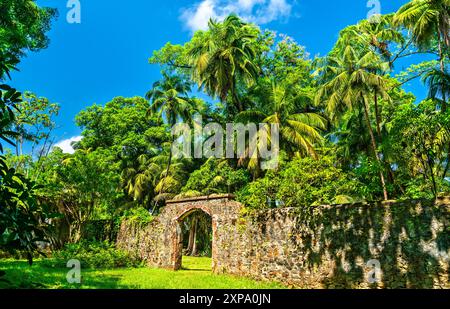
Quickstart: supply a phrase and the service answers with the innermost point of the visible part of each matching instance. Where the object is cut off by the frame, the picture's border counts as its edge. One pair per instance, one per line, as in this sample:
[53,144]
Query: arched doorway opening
[195,235]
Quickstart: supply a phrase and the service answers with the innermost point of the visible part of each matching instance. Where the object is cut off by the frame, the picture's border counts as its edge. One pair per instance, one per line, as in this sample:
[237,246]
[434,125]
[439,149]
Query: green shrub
[214,177]
[139,215]
[302,182]
[93,255]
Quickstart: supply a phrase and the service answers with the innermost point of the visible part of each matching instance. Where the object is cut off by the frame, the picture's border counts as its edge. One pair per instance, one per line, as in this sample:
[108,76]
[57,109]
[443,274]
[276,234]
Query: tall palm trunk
[442,64]
[391,175]
[377,115]
[237,101]
[374,146]
[444,99]
[169,163]
[192,247]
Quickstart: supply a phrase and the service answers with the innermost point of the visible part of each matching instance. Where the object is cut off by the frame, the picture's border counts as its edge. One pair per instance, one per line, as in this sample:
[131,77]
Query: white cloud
[66,145]
[256,11]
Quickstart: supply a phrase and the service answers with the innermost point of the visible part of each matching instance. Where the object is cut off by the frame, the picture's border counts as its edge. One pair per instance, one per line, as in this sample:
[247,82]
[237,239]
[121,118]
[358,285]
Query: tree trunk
[433,179]
[168,167]
[377,115]
[374,146]
[237,101]
[194,245]
[190,241]
[380,138]
[192,237]
[21,146]
[441,61]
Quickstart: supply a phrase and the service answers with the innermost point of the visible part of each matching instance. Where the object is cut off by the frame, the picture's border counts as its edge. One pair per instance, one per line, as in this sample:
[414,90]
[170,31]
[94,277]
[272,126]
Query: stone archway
[178,243]
[222,210]
[159,244]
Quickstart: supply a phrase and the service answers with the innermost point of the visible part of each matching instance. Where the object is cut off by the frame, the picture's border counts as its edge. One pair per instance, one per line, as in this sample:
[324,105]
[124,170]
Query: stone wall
[313,247]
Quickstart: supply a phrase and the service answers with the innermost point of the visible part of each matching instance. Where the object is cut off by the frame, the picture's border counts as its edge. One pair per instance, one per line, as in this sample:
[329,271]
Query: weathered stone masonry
[312,247]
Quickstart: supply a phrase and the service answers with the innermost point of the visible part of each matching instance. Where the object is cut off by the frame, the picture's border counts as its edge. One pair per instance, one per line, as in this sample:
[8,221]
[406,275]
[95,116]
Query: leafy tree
[282,59]
[213,177]
[22,218]
[121,125]
[302,182]
[34,123]
[79,186]
[24,26]
[420,135]
[124,132]
[23,221]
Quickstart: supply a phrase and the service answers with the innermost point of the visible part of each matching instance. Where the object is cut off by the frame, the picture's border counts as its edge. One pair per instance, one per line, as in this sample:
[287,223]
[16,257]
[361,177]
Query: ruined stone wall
[318,247]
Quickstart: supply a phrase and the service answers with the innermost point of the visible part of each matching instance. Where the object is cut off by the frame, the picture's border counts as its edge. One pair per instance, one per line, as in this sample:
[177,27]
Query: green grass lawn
[196,274]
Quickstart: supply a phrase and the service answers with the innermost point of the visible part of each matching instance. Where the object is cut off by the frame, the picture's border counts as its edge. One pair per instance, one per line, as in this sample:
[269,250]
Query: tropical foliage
[348,130]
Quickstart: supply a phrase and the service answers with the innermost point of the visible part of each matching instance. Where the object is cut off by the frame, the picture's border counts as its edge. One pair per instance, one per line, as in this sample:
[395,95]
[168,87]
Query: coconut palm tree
[350,82]
[428,20]
[372,39]
[171,102]
[169,82]
[438,83]
[150,181]
[299,131]
[439,90]
[140,181]
[223,59]
[378,35]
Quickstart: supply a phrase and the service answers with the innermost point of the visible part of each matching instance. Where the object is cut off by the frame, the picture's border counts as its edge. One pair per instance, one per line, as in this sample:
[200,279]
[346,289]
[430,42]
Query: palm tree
[170,181]
[438,83]
[170,100]
[373,39]
[349,83]
[168,82]
[223,59]
[439,90]
[299,132]
[378,35]
[428,20]
[140,182]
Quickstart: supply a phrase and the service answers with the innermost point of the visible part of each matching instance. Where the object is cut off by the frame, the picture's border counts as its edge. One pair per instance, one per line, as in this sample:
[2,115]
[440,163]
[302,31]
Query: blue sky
[107,54]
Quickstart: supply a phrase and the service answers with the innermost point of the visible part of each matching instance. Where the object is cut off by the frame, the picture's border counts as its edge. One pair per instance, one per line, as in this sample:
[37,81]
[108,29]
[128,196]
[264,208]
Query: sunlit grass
[196,274]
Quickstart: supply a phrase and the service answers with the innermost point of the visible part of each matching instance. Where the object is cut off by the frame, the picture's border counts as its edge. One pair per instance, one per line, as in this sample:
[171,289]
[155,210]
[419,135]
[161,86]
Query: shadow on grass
[19,275]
